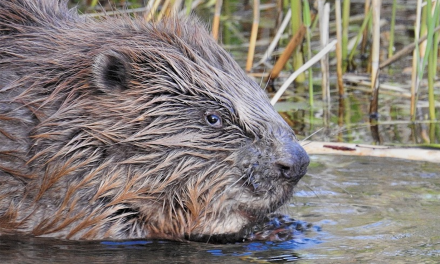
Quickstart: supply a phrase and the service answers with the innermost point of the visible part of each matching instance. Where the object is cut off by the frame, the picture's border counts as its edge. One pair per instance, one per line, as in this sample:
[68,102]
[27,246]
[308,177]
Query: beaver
[121,129]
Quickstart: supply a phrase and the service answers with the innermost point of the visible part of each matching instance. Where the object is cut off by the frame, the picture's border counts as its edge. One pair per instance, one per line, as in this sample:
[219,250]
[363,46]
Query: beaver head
[124,129]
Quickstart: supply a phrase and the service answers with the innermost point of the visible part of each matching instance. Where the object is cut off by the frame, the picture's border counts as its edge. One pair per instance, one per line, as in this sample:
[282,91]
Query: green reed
[367,19]
[345,27]
[433,21]
[296,23]
[188,4]
[308,23]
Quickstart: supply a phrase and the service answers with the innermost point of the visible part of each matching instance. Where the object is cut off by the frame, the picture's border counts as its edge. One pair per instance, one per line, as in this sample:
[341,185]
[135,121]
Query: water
[372,210]
[368,210]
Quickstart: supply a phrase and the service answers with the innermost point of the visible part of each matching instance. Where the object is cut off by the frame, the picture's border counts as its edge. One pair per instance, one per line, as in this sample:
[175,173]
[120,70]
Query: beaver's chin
[238,228]
[240,221]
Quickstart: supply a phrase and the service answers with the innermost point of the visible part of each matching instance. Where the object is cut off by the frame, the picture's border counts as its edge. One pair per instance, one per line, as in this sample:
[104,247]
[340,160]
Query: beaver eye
[213,119]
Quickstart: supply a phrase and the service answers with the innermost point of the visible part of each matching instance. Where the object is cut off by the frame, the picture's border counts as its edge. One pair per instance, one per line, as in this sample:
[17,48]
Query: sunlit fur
[90,150]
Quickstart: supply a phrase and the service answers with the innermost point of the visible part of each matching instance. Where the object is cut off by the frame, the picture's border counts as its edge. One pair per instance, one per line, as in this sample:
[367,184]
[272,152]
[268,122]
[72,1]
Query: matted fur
[105,131]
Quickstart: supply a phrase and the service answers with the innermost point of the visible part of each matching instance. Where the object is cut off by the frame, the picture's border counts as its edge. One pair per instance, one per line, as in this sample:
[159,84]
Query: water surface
[368,210]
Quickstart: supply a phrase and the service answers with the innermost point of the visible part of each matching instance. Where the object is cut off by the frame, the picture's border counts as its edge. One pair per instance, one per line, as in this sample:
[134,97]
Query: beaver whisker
[309,136]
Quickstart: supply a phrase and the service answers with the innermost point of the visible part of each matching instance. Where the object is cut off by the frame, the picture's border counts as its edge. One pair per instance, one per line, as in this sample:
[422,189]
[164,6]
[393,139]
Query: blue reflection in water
[127,244]
[301,235]
[304,235]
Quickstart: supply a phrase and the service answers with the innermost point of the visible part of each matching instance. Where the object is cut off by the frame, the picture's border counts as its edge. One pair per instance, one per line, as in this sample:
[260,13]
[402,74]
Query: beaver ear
[110,71]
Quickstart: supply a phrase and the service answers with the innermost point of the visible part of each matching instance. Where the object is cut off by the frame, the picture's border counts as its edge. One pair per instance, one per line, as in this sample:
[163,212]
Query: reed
[149,14]
[415,62]
[296,23]
[293,45]
[188,4]
[324,17]
[392,27]
[339,49]
[430,16]
[254,33]
[216,20]
[365,31]
[308,23]
[93,3]
[165,9]
[367,19]
[274,43]
[433,21]
[226,36]
[375,49]
[345,27]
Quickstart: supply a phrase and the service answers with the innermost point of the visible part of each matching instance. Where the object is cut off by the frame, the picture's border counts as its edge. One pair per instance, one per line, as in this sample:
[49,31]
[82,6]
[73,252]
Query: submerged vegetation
[331,67]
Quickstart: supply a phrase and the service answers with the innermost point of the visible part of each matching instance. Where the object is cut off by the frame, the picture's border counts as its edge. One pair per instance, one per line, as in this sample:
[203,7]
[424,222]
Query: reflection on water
[353,124]
[369,210]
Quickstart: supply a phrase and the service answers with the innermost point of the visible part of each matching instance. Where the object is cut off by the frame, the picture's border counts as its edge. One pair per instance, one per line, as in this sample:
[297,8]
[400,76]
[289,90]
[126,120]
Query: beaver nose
[293,161]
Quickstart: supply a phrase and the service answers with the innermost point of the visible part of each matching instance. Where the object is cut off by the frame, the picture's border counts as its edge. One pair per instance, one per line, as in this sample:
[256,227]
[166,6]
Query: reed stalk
[425,47]
[188,4]
[392,26]
[339,48]
[150,13]
[423,28]
[254,33]
[276,38]
[359,36]
[307,23]
[293,45]
[367,9]
[296,22]
[175,7]
[216,20]
[406,50]
[345,23]
[428,44]
[324,17]
[226,38]
[415,62]
[306,65]
[433,21]
[165,9]
[375,49]
[93,3]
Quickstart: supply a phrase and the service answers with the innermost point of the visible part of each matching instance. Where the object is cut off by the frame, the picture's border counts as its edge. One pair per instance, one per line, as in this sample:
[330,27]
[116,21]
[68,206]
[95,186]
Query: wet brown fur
[104,132]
